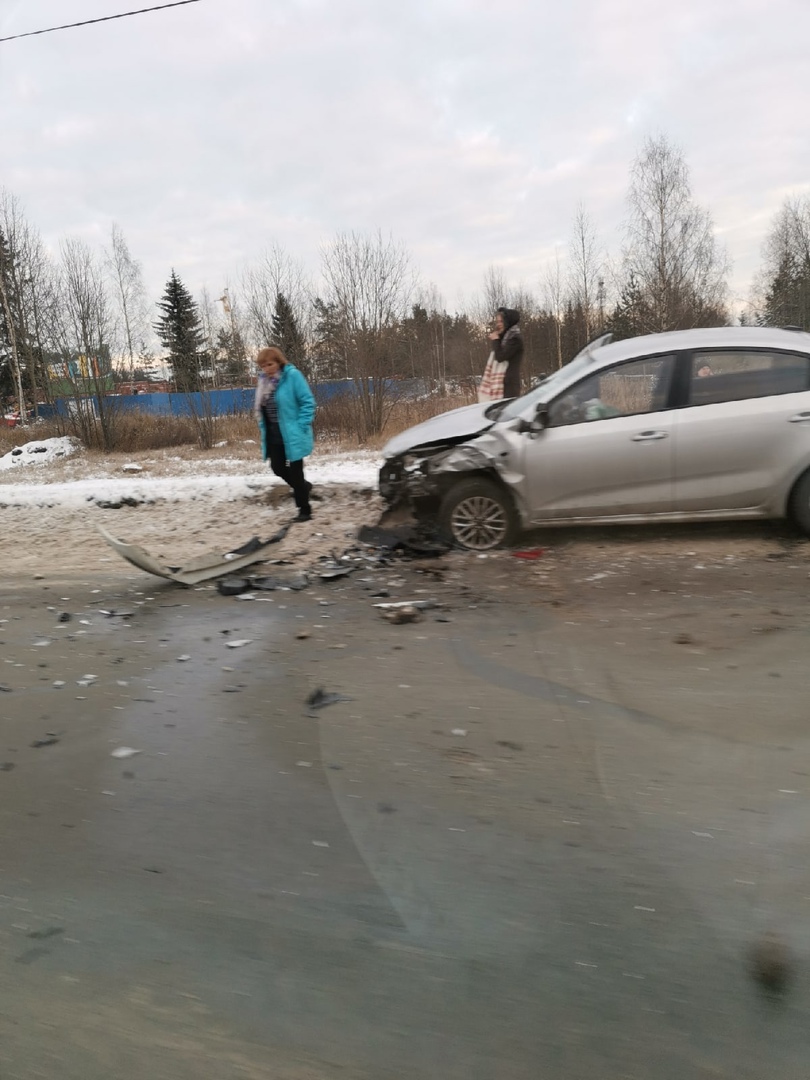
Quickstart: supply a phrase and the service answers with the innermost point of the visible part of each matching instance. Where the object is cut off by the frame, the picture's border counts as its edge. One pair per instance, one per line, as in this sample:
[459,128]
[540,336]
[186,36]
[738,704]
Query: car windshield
[543,391]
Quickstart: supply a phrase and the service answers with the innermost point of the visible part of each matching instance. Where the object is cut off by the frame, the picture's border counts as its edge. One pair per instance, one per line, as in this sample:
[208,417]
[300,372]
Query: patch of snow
[40,452]
[358,469]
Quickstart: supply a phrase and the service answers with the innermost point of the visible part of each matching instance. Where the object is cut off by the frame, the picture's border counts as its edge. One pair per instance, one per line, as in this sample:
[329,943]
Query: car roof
[709,337]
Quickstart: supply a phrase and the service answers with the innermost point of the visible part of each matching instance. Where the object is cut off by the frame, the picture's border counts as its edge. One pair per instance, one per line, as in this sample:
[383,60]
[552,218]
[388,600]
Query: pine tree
[788,300]
[286,332]
[180,332]
[630,314]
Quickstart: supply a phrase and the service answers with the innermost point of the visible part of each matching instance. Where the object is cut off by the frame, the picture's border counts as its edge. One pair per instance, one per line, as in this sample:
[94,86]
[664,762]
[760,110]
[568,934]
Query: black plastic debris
[319,699]
[255,543]
[233,586]
[296,582]
[47,740]
[65,617]
[247,549]
[412,541]
[267,584]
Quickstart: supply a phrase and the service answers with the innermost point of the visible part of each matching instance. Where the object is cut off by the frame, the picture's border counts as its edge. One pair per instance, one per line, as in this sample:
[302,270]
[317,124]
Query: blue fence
[222,402]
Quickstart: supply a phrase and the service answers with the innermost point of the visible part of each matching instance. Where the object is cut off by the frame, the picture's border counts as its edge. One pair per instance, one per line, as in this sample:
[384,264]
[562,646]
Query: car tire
[479,515]
[799,504]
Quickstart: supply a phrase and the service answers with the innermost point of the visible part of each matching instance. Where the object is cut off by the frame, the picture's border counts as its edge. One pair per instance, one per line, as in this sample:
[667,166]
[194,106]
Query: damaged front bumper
[423,478]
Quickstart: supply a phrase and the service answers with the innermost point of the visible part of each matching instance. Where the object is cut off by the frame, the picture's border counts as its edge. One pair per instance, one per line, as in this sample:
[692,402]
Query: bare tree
[585,269]
[231,339]
[83,329]
[132,310]
[276,273]
[427,336]
[554,297]
[494,294]
[23,274]
[671,251]
[369,283]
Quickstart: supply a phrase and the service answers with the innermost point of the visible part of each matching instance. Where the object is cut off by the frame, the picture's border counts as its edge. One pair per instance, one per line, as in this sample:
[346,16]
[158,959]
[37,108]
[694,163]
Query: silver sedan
[694,424]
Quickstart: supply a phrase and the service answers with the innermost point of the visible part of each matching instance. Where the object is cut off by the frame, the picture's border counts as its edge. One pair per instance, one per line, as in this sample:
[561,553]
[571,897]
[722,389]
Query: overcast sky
[469,130]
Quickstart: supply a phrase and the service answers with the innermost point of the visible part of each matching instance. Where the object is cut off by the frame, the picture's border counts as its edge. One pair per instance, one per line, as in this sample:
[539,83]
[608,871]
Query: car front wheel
[478,514]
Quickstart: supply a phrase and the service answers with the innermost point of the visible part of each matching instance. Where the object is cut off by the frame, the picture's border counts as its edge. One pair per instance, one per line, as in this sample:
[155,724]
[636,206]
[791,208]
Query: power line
[105,18]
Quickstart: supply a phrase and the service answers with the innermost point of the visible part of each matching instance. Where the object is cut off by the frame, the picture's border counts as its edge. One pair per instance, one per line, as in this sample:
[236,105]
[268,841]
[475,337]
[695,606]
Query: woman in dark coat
[507,345]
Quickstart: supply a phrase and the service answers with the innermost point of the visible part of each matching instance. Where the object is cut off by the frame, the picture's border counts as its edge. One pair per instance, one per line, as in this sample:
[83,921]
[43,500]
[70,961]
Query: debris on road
[402,615]
[46,740]
[319,699]
[530,554]
[233,586]
[239,643]
[125,752]
[419,605]
[329,572]
[411,541]
[197,570]
[294,582]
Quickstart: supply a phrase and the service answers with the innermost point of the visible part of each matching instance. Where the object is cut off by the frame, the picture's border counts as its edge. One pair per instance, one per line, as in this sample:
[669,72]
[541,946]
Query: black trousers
[291,472]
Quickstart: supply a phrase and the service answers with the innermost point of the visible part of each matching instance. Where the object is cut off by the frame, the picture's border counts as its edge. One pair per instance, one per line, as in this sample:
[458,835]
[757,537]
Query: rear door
[746,421]
[608,449]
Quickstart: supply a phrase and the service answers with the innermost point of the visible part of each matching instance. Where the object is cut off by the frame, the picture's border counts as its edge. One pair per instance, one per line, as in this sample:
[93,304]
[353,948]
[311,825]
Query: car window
[541,392]
[640,386]
[737,374]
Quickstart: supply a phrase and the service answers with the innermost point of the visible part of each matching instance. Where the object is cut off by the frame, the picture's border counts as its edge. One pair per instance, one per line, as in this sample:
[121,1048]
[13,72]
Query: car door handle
[650,436]
[799,418]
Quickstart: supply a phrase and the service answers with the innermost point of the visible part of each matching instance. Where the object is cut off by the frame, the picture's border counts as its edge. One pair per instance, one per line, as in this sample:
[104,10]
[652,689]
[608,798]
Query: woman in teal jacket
[285,409]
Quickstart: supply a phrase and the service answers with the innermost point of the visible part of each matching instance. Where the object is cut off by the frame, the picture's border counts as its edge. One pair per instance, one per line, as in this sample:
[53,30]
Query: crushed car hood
[449,427]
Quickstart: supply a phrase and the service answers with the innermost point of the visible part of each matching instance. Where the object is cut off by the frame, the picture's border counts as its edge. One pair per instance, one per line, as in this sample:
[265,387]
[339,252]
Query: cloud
[209,132]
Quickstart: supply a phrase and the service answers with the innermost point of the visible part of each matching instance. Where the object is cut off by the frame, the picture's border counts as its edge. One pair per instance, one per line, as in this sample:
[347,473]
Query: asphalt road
[538,841]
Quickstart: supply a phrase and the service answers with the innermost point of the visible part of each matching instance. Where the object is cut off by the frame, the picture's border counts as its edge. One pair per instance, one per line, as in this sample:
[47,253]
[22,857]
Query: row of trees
[63,317]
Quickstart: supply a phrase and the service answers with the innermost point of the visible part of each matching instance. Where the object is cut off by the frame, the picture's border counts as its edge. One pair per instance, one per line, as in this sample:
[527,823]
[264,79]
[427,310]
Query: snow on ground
[176,503]
[213,480]
[40,452]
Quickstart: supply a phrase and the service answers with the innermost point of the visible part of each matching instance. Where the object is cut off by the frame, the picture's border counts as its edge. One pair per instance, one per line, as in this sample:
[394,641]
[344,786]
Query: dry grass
[336,426]
[337,421]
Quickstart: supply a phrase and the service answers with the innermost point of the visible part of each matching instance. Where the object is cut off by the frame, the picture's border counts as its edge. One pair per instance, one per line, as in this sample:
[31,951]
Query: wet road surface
[524,848]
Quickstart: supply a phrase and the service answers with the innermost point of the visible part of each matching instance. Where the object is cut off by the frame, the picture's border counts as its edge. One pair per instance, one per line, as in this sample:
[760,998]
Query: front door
[608,449]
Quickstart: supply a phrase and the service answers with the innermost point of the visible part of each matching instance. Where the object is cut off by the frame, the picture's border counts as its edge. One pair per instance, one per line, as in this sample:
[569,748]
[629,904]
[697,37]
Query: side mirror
[537,424]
